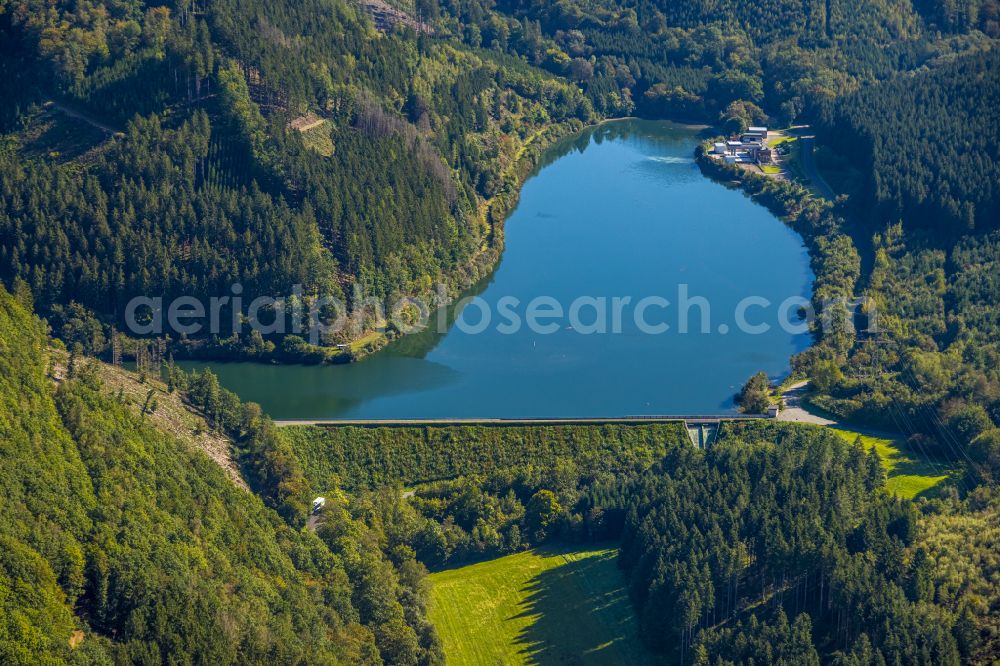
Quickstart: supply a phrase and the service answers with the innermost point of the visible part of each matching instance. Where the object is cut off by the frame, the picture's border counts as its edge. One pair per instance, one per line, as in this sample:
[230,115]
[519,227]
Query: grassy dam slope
[367,457]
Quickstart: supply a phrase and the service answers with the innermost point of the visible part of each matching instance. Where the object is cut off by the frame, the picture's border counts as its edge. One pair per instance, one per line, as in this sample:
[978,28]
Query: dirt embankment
[171,414]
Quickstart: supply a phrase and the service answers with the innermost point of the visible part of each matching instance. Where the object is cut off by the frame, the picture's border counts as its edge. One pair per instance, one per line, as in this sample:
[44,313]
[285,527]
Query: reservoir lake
[619,211]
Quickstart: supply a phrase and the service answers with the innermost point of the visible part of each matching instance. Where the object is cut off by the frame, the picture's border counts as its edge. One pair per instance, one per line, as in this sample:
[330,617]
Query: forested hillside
[931,371]
[928,145]
[696,60]
[781,547]
[185,147]
[274,146]
[123,545]
[489,490]
[373,457]
[284,144]
[778,544]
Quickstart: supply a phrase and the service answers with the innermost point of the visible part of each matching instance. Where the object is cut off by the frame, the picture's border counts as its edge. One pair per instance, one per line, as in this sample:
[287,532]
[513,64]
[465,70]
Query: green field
[545,606]
[908,474]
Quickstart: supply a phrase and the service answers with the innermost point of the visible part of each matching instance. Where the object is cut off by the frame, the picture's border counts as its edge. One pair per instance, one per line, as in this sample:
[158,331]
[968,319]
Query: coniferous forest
[319,148]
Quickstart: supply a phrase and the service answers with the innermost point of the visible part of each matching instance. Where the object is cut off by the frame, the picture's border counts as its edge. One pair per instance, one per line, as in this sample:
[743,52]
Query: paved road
[794,411]
[811,172]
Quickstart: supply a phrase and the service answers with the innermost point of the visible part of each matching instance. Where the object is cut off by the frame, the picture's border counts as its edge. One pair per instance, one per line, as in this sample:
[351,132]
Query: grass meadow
[908,473]
[544,606]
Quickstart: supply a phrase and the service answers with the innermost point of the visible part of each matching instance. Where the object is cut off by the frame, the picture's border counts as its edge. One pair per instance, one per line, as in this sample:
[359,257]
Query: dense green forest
[777,544]
[784,552]
[180,148]
[415,151]
[360,457]
[694,59]
[479,491]
[930,372]
[927,146]
[123,545]
[927,366]
[278,145]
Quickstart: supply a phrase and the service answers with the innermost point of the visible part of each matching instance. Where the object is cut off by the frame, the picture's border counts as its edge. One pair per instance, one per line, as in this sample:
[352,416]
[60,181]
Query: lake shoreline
[617,211]
[477,269]
[816,220]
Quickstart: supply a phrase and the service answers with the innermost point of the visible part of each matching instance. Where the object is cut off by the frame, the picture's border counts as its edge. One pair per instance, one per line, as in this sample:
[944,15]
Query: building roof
[757,130]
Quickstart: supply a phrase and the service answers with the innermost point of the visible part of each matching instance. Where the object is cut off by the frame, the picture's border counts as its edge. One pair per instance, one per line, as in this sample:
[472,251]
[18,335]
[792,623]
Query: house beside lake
[750,147]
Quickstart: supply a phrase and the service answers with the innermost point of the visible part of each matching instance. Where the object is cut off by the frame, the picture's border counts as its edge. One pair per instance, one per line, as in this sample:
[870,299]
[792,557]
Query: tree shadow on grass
[581,614]
[937,473]
[932,479]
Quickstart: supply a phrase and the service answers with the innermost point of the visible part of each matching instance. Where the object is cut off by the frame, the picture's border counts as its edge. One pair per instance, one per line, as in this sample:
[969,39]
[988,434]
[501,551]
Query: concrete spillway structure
[702,434]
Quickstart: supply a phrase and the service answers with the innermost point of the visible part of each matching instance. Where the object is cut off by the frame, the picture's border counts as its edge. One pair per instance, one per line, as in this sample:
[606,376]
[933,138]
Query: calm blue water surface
[620,211]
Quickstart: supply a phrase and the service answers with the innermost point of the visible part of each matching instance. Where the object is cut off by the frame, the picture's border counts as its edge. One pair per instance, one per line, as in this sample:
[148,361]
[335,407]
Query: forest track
[80,115]
[811,171]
